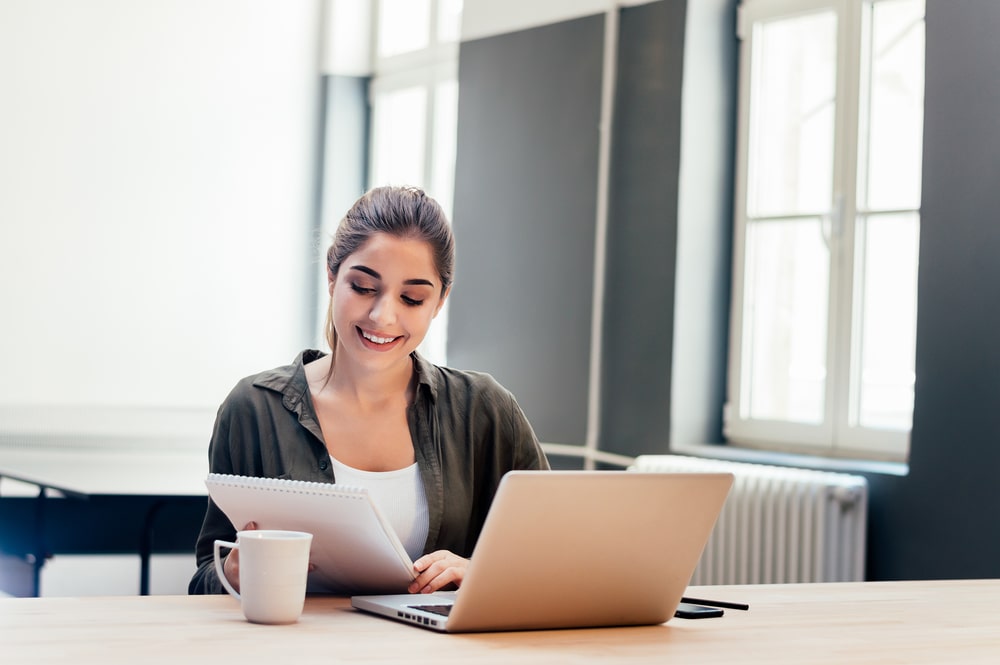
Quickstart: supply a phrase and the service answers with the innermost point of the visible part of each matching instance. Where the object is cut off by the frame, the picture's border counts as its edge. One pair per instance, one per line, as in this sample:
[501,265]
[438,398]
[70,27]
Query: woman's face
[385,296]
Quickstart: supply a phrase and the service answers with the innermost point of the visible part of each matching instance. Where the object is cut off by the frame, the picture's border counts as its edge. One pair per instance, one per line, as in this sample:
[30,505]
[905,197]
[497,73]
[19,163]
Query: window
[827,222]
[414,98]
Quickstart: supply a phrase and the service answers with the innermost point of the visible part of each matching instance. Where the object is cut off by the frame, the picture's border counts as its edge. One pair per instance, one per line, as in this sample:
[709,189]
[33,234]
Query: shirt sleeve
[528,453]
[216,526]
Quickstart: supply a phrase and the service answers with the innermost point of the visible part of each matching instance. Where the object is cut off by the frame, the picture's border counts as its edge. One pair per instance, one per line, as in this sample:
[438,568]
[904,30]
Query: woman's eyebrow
[409,282]
[367,271]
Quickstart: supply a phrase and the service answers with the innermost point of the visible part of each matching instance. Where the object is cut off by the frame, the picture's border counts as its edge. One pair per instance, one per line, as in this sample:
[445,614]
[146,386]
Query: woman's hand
[231,566]
[437,570]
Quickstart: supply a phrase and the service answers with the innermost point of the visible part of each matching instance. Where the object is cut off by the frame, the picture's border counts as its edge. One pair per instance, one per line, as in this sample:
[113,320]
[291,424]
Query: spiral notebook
[354,549]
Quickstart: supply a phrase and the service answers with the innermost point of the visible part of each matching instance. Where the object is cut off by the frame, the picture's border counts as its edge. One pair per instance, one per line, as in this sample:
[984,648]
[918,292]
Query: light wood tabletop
[881,622]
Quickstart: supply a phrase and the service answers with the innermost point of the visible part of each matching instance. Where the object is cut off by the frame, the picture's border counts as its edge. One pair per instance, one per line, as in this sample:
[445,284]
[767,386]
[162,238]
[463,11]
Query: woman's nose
[383,311]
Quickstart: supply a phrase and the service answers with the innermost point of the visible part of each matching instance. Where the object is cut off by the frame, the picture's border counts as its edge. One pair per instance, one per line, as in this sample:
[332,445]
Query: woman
[430,443]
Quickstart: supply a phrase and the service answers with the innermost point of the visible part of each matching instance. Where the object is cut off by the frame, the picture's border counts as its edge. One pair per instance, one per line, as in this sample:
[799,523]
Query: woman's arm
[514,442]
[216,526]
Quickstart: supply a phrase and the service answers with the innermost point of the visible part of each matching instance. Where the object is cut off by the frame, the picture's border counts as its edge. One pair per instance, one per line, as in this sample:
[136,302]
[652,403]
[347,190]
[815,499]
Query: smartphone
[692,611]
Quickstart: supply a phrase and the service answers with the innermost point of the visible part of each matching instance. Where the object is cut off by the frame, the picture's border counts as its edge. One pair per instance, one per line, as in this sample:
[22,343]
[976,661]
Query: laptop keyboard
[443,610]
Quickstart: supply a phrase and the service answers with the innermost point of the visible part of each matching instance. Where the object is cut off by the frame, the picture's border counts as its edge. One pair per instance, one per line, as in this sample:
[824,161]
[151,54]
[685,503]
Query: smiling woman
[390,300]
[412,241]
[430,443]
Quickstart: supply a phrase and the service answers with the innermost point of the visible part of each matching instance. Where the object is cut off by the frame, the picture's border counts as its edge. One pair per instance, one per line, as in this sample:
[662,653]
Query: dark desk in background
[99,501]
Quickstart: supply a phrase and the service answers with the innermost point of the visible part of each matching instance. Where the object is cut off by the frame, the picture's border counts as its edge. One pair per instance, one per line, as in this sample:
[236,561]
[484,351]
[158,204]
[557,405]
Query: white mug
[273,570]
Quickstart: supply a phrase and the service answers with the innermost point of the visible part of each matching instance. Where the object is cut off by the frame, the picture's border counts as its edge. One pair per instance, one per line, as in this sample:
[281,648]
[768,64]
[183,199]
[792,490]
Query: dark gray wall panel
[938,522]
[526,171]
[642,233]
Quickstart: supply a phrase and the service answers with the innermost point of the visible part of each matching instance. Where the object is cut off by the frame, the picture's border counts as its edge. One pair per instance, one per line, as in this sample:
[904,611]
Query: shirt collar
[427,375]
[290,380]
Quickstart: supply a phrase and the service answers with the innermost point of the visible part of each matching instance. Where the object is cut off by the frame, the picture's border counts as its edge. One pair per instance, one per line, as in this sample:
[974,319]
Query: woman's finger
[437,570]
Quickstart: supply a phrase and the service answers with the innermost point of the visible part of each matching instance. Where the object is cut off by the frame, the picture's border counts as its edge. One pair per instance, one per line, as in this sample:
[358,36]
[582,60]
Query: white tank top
[400,498]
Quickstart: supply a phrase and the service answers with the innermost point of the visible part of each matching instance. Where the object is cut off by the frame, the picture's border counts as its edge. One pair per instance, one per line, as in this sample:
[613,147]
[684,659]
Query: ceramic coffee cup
[273,570]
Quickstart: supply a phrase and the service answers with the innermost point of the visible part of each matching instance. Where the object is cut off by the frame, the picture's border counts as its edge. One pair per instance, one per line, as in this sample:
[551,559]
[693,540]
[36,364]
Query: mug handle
[218,566]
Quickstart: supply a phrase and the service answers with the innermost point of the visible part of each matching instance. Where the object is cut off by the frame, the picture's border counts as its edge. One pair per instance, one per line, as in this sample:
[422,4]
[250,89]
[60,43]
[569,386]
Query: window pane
[888,258]
[403,26]
[399,137]
[792,105]
[896,104]
[442,178]
[449,20]
[785,321]
[441,186]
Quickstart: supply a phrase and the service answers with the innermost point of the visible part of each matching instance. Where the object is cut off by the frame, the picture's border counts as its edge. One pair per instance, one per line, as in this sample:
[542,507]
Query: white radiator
[779,524]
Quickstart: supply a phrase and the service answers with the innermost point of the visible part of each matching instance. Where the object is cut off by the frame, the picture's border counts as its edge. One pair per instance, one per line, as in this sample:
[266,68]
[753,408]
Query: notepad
[354,549]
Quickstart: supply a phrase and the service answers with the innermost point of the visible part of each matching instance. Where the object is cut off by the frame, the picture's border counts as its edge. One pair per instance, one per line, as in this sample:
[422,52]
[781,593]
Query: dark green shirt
[467,432]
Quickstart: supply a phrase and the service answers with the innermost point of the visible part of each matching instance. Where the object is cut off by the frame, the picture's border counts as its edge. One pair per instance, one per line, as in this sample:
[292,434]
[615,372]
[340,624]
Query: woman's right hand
[231,566]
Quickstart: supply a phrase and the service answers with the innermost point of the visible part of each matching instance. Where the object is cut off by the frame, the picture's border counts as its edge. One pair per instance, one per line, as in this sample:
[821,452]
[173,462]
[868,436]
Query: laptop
[574,549]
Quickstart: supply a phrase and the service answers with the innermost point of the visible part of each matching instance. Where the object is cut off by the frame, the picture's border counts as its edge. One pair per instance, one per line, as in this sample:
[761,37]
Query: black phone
[692,611]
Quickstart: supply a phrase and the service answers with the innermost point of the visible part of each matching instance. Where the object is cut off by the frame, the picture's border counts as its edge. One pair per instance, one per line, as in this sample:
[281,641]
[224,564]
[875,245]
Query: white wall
[158,175]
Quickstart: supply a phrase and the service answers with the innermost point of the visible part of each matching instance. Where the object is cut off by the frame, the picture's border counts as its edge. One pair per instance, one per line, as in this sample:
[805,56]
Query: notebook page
[354,550]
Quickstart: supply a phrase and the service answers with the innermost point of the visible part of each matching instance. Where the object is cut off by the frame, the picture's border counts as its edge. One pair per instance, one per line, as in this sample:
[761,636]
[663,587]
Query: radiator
[779,524]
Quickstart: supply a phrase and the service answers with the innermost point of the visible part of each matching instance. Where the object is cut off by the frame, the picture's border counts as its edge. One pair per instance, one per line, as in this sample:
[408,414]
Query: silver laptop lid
[586,548]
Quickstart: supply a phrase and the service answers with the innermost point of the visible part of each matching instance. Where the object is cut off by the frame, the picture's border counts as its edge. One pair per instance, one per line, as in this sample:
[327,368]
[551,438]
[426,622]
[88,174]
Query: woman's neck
[370,389]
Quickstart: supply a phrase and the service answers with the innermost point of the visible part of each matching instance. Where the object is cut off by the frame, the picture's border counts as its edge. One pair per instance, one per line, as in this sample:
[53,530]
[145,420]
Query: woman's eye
[412,302]
[357,288]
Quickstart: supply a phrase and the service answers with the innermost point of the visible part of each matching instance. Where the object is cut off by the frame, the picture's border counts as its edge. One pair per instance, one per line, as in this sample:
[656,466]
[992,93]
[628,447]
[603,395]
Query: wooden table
[940,622]
[158,472]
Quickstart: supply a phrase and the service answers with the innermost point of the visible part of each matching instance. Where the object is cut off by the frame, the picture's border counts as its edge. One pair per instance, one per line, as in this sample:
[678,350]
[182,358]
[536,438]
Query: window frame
[426,68]
[836,435]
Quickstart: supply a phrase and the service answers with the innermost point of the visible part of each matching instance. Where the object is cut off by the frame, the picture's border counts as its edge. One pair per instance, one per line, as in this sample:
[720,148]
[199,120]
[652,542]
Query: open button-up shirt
[467,432]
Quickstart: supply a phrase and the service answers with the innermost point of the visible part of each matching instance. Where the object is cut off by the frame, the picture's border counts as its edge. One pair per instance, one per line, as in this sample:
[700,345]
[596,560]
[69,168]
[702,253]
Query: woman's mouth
[373,341]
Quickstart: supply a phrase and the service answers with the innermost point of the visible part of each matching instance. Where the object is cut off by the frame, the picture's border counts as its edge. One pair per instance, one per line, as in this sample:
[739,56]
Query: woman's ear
[331,279]
[447,292]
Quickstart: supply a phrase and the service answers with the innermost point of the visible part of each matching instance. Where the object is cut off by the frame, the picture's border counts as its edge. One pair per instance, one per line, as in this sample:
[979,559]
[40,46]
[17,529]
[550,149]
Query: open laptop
[573,549]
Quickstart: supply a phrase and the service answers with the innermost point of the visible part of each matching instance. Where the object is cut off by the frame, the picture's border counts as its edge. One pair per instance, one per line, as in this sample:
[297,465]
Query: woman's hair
[403,212]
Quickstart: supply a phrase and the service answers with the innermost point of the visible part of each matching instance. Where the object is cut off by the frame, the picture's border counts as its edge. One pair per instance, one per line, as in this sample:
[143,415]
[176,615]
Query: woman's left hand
[437,570]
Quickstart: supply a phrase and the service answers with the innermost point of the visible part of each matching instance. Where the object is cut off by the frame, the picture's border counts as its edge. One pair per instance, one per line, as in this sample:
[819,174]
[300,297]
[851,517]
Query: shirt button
[323,465]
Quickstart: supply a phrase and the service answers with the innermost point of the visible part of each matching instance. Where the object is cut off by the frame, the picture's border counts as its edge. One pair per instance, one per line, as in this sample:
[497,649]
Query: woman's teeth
[377,340]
